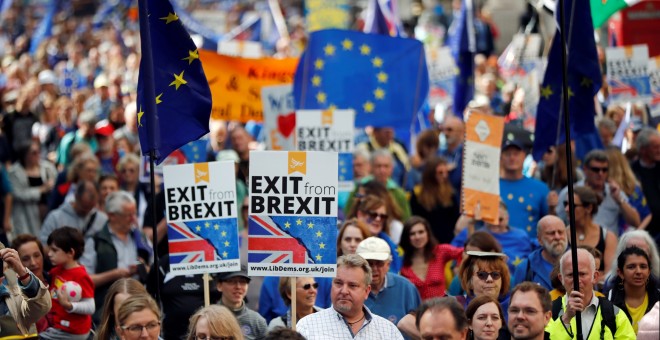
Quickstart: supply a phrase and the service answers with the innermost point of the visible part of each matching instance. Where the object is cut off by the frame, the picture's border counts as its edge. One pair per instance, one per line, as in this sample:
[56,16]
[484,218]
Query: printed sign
[654,78]
[329,130]
[236,83]
[201,212]
[241,48]
[481,166]
[292,224]
[442,71]
[627,73]
[279,117]
[193,152]
[324,14]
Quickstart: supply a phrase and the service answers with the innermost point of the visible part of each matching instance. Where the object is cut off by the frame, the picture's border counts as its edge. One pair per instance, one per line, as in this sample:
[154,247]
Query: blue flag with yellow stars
[584,81]
[384,79]
[463,43]
[174,99]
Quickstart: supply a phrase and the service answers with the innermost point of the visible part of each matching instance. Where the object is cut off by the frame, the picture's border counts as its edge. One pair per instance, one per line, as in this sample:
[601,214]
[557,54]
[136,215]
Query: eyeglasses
[197,337]
[483,276]
[136,330]
[126,170]
[374,215]
[310,285]
[575,204]
[598,169]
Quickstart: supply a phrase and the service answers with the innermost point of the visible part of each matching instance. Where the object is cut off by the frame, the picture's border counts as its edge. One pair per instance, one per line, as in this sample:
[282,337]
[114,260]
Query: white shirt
[588,315]
[329,324]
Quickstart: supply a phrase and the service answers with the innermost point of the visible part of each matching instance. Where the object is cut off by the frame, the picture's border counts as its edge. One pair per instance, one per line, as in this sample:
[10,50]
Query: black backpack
[607,313]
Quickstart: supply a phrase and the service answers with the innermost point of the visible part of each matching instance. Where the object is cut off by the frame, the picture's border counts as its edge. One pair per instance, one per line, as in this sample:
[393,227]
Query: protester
[642,240]
[350,235]
[118,292]
[234,287]
[649,328]
[378,189]
[107,185]
[129,175]
[348,317]
[485,319]
[485,273]
[635,291]
[529,312]
[442,318]
[214,322]
[306,291]
[426,147]
[424,259]
[647,171]
[382,141]
[281,333]
[32,255]
[479,241]
[139,317]
[453,129]
[621,173]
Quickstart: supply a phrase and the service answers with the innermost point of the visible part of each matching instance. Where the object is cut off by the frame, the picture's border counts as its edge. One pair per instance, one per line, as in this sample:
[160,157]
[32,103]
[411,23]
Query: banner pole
[293,303]
[152,199]
[206,278]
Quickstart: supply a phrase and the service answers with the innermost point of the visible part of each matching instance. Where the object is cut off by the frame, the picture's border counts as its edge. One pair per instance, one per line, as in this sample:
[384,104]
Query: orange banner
[236,83]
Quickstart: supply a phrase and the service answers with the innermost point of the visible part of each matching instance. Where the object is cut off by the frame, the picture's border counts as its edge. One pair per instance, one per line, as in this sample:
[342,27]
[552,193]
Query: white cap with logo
[374,248]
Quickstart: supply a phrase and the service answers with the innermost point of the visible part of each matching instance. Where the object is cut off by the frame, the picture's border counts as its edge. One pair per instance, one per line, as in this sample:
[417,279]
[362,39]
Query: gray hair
[644,137]
[128,158]
[356,261]
[623,244]
[114,203]
[567,255]
[362,153]
[87,117]
[608,124]
[382,153]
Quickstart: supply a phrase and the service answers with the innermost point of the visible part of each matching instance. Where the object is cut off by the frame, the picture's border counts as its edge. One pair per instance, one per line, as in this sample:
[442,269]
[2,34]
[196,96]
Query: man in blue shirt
[392,296]
[551,234]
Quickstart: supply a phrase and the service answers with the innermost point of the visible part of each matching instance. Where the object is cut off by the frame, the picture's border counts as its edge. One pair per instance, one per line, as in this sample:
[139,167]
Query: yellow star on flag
[224,254]
[170,17]
[332,107]
[299,221]
[329,49]
[178,80]
[287,225]
[139,116]
[223,233]
[310,225]
[226,243]
[207,225]
[570,93]
[546,92]
[318,64]
[347,44]
[158,100]
[192,55]
[316,81]
[377,62]
[382,77]
[517,261]
[368,107]
[319,234]
[321,97]
[379,93]
[216,226]
[586,82]
[365,49]
[318,257]
[322,245]
[198,228]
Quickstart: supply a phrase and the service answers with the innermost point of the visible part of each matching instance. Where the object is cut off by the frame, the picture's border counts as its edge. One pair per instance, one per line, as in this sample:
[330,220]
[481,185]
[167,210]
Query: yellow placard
[236,83]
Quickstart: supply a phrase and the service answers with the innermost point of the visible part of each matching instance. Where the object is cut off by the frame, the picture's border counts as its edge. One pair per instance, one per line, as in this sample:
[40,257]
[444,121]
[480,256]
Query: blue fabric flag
[45,28]
[463,43]
[584,81]
[174,99]
[383,79]
[382,18]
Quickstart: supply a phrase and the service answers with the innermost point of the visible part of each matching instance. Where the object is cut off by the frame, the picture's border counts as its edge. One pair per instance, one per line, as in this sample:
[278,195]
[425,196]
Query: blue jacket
[271,304]
[539,267]
[395,301]
[397,259]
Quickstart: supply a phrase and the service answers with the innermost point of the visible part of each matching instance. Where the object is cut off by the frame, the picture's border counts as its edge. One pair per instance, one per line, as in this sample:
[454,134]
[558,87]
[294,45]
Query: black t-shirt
[649,178]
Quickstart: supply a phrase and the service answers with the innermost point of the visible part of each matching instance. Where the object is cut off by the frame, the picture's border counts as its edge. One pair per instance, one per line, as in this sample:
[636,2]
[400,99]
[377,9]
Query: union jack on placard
[188,247]
[269,244]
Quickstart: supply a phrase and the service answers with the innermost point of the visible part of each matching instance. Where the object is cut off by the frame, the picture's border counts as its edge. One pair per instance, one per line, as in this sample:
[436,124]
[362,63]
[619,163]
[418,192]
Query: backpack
[607,312]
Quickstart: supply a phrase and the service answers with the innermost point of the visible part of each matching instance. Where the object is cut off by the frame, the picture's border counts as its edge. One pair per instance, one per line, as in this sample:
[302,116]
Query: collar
[594,302]
[367,314]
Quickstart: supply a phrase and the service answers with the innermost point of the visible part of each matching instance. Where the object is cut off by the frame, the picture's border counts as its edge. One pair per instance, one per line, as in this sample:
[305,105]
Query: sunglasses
[483,276]
[374,215]
[315,285]
[598,169]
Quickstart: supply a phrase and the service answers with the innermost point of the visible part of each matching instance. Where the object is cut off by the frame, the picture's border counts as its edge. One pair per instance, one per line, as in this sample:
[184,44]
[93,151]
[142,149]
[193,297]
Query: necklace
[581,237]
[353,323]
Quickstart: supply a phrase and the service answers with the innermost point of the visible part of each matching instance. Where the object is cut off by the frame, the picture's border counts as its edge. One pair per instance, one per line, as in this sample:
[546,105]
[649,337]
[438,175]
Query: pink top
[434,285]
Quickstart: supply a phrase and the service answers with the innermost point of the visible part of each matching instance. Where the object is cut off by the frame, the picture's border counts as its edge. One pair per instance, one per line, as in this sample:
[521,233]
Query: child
[67,319]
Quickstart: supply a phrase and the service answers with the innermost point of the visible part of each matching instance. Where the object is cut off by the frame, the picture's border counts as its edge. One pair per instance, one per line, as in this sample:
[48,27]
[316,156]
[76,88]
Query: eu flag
[174,99]
[382,18]
[584,81]
[463,43]
[383,79]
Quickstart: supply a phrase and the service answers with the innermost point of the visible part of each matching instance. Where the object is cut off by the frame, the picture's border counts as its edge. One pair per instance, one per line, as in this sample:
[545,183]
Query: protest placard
[279,117]
[236,83]
[654,78]
[292,224]
[193,152]
[442,71]
[323,14]
[201,211]
[481,166]
[240,48]
[329,130]
[627,74]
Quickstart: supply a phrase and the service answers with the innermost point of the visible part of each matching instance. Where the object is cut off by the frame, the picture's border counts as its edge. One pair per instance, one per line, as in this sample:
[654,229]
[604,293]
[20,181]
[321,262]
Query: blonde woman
[139,318]
[214,322]
[621,173]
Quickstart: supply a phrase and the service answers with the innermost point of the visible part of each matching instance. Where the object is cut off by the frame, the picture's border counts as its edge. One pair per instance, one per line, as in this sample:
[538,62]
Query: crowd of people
[410,263]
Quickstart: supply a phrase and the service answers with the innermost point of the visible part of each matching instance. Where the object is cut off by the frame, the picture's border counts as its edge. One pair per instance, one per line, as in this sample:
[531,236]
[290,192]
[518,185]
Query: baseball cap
[104,128]
[485,254]
[374,248]
[101,81]
[512,142]
[228,275]
[47,77]
[228,155]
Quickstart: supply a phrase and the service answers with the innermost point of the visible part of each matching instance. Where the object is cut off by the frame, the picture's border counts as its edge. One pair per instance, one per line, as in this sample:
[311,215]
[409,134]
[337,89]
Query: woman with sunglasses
[485,273]
[635,290]
[372,210]
[306,290]
[424,259]
[139,318]
[588,232]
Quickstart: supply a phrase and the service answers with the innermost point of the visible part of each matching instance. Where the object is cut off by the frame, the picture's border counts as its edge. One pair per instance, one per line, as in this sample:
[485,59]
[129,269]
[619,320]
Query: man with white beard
[551,234]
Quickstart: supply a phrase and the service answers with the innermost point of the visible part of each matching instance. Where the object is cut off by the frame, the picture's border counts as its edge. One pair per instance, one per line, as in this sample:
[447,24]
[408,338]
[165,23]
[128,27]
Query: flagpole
[569,157]
[152,198]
